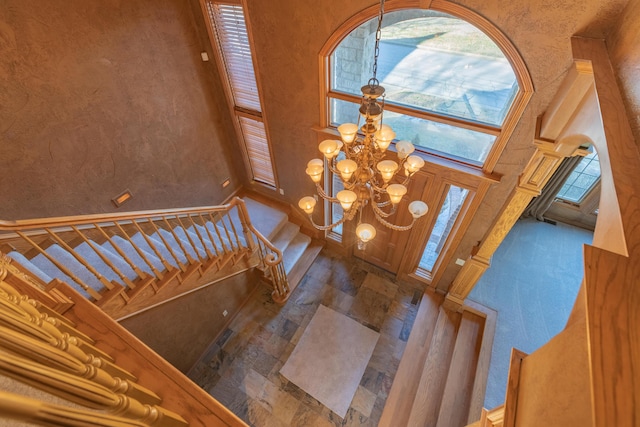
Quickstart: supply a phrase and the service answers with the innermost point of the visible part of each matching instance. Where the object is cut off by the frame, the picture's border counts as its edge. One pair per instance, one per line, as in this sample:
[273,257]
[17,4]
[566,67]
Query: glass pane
[446,218]
[430,61]
[336,208]
[450,140]
[581,180]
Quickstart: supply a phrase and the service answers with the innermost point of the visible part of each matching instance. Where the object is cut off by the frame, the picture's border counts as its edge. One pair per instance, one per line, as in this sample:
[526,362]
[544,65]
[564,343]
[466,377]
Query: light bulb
[315,173]
[387,168]
[346,198]
[395,192]
[365,232]
[348,132]
[404,148]
[330,148]
[347,168]
[307,204]
[414,163]
[315,163]
[384,136]
[418,208]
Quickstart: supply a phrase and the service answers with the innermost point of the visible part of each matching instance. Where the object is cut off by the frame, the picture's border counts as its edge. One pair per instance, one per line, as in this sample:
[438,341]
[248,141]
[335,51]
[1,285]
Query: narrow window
[583,178]
[228,25]
[447,217]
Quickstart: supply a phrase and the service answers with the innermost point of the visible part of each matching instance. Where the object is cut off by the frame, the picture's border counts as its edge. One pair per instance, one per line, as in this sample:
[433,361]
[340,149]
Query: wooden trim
[458,231]
[178,393]
[462,173]
[426,115]
[513,384]
[257,73]
[233,110]
[484,358]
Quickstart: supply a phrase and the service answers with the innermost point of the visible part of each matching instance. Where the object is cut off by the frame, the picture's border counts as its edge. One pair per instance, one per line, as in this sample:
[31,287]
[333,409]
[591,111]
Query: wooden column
[546,159]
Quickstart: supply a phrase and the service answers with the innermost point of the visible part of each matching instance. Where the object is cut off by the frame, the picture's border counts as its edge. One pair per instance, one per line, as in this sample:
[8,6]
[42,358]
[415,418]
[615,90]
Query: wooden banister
[225,228]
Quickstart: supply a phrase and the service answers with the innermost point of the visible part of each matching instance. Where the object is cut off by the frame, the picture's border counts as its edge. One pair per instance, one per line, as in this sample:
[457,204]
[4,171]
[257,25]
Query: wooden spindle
[92,292]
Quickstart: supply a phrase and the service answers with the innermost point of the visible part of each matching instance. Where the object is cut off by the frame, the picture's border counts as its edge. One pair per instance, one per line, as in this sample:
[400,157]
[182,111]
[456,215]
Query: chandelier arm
[324,195]
[346,216]
[332,167]
[407,179]
[330,226]
[393,226]
[374,186]
[377,210]
[383,204]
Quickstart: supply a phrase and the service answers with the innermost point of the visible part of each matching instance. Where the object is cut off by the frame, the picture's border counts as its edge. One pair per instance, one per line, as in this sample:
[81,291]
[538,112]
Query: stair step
[398,407]
[294,250]
[300,268]
[176,246]
[118,262]
[141,242]
[127,248]
[433,377]
[72,264]
[266,219]
[286,234]
[93,259]
[459,387]
[189,237]
[28,265]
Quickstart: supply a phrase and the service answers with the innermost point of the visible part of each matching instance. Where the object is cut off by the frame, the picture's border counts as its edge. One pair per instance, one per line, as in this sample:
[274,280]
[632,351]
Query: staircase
[442,376]
[129,262]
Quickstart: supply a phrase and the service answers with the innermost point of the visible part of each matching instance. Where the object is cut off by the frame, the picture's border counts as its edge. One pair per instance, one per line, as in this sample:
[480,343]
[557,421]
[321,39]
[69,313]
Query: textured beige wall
[103,96]
[181,330]
[289,36]
[100,96]
[625,58]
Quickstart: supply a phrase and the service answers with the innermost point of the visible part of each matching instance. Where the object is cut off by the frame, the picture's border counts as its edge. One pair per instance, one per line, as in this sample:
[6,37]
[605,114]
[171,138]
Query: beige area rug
[330,359]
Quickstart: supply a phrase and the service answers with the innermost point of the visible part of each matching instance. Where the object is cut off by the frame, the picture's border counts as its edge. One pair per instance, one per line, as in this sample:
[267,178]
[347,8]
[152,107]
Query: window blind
[255,140]
[228,22]
[231,31]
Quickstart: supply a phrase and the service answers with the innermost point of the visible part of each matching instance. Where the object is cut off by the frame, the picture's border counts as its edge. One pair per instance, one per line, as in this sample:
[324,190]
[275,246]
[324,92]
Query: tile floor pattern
[241,369]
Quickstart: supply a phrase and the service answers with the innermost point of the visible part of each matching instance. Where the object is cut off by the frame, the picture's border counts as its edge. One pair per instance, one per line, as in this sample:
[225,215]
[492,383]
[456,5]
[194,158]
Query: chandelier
[359,159]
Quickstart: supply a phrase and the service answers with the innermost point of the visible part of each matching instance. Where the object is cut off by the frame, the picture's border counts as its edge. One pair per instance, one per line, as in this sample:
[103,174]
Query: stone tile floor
[241,369]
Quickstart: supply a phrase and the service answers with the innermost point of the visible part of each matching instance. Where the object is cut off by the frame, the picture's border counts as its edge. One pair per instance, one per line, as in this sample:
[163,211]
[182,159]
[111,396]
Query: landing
[242,369]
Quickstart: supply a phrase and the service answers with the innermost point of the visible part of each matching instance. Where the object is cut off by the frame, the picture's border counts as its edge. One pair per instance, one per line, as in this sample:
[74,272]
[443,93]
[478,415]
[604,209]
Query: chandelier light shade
[359,158]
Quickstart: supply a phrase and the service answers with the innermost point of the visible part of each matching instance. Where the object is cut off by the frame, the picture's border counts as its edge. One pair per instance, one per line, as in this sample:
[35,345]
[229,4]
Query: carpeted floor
[532,283]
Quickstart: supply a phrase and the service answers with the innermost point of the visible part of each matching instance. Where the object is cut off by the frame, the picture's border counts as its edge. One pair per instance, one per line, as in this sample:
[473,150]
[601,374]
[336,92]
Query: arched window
[456,88]
[450,88]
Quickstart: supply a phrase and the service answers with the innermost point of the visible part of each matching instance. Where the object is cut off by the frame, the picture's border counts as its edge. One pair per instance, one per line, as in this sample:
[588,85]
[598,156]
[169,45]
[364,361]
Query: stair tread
[456,397]
[266,219]
[397,407]
[66,259]
[433,376]
[188,237]
[26,263]
[118,262]
[294,250]
[286,234]
[90,256]
[141,242]
[133,255]
[295,275]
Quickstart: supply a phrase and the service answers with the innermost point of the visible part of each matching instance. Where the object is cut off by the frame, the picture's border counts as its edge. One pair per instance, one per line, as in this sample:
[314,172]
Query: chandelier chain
[376,49]
[361,161]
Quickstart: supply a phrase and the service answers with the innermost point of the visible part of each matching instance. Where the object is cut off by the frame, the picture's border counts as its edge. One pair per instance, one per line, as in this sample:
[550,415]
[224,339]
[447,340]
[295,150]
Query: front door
[389,247]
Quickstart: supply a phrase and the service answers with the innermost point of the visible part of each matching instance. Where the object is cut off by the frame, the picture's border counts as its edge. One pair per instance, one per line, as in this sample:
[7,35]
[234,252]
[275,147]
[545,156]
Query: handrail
[29,224]
[157,245]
